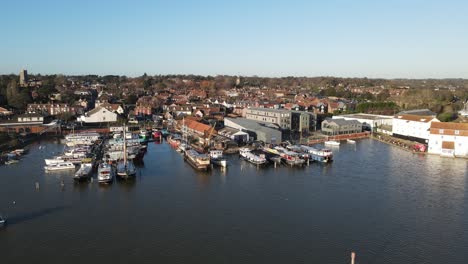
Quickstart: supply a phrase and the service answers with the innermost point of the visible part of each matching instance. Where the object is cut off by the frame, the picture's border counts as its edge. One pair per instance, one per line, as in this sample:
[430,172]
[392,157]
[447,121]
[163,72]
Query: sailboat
[125,167]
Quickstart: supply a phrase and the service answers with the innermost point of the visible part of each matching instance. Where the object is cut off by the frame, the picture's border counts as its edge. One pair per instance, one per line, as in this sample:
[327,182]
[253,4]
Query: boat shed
[256,130]
[234,134]
[369,121]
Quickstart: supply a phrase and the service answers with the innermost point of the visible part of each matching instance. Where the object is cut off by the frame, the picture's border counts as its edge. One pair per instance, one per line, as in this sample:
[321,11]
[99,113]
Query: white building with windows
[413,127]
[98,115]
[449,139]
[280,117]
[368,121]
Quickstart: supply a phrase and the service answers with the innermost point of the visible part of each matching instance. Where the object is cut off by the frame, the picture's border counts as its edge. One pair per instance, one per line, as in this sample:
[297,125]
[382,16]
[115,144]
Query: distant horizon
[233,75]
[362,39]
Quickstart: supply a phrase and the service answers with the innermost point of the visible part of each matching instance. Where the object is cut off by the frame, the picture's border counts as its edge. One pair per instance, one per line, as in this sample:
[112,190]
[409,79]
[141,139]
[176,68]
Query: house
[196,128]
[179,110]
[98,115]
[412,127]
[116,108]
[54,109]
[333,127]
[448,139]
[146,105]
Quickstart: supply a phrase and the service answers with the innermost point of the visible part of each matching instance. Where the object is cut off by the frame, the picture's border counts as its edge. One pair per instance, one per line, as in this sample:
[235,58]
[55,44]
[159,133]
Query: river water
[387,205]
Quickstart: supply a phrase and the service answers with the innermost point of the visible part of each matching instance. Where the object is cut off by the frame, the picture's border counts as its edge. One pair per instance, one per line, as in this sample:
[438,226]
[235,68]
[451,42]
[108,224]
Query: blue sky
[372,38]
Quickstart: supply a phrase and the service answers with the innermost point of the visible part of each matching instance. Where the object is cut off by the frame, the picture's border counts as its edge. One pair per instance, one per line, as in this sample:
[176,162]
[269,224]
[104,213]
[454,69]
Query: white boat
[3,221]
[246,154]
[60,166]
[125,167]
[332,143]
[84,171]
[350,141]
[11,161]
[54,160]
[105,173]
[217,157]
[87,138]
[321,155]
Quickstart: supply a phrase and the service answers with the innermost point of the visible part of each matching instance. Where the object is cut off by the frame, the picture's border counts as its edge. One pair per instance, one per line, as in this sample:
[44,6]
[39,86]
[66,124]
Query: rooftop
[365,116]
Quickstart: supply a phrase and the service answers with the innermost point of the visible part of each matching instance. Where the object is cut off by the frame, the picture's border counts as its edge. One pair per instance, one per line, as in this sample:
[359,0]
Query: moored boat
[60,166]
[125,167]
[54,160]
[3,221]
[105,173]
[332,143]
[350,141]
[321,155]
[247,154]
[217,158]
[84,172]
[11,161]
[197,160]
[290,157]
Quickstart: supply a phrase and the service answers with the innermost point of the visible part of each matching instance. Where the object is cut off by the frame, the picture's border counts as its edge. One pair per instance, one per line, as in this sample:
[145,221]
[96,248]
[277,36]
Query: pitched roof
[449,125]
[197,126]
[96,110]
[420,112]
[417,118]
[343,122]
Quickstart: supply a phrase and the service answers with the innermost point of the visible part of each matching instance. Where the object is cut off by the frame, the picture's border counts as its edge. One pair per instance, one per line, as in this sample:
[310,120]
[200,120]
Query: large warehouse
[258,130]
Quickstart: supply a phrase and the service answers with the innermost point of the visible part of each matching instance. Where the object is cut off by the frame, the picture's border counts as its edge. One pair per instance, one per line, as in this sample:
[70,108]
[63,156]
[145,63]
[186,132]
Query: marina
[169,198]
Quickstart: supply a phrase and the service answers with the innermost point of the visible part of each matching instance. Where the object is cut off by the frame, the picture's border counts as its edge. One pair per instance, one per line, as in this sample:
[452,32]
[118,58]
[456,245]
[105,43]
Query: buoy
[14,202]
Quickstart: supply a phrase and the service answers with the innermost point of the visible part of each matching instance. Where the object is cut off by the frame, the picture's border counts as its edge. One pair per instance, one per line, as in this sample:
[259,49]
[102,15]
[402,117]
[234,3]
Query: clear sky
[344,38]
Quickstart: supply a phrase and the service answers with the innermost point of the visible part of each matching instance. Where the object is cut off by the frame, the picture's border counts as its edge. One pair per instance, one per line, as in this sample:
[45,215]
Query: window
[441,131]
[457,132]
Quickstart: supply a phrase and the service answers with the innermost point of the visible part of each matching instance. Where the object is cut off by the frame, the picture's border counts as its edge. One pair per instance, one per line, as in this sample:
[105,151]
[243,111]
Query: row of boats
[293,155]
[112,157]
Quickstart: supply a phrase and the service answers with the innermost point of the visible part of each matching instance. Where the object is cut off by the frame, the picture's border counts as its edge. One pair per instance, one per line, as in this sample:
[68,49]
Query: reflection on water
[18,219]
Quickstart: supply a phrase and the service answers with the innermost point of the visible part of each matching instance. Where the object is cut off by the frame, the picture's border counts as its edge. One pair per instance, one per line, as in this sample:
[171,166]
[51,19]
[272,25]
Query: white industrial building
[368,121]
[449,139]
[412,127]
[259,131]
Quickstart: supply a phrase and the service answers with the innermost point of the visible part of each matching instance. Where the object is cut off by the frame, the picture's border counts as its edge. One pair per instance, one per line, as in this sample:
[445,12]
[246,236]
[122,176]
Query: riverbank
[397,142]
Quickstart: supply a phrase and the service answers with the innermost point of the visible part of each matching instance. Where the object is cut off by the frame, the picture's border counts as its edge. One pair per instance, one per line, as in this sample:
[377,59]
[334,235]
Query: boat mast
[125,145]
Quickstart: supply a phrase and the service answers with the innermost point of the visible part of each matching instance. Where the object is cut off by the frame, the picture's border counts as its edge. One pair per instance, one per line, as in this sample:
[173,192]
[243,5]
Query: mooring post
[353,256]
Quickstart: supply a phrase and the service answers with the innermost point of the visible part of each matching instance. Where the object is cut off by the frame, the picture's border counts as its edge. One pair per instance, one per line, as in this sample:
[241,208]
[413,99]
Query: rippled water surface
[388,205]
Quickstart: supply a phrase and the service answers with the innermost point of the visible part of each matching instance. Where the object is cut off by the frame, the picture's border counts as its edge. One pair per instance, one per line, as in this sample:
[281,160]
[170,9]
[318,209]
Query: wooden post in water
[353,256]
